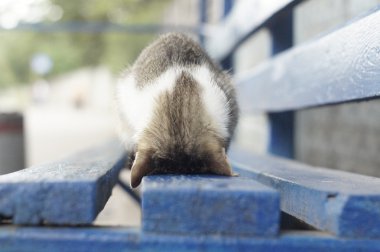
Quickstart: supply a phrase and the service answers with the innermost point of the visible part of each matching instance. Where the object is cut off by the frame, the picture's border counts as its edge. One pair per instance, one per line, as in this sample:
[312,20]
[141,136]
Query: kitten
[178,110]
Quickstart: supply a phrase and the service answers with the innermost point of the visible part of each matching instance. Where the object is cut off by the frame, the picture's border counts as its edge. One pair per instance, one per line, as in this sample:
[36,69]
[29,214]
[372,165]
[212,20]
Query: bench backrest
[339,67]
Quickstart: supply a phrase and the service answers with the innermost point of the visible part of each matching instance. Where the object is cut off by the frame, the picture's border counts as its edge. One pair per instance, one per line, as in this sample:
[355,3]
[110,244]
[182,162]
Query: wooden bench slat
[130,239]
[72,191]
[233,33]
[339,67]
[345,204]
[204,205]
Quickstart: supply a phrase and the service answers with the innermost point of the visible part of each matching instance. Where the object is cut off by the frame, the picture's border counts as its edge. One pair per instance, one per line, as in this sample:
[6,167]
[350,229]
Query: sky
[13,12]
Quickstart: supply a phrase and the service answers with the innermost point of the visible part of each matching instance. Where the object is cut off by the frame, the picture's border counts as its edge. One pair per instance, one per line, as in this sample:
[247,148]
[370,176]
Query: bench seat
[67,192]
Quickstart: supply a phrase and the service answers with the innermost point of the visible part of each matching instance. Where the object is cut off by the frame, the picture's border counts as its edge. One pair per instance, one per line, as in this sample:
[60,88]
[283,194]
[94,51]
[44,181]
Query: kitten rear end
[178,110]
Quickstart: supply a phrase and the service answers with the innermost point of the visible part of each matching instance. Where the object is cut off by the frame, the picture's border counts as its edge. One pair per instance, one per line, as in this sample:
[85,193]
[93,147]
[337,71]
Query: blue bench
[276,204]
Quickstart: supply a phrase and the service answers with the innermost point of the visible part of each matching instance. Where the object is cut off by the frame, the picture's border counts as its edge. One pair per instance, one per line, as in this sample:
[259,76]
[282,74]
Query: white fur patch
[214,99]
[137,105]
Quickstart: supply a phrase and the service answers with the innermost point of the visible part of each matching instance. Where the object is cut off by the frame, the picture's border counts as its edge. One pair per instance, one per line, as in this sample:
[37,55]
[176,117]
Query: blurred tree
[70,51]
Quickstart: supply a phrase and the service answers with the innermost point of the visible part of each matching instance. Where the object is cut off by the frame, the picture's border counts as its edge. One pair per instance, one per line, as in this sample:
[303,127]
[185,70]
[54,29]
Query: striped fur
[178,110]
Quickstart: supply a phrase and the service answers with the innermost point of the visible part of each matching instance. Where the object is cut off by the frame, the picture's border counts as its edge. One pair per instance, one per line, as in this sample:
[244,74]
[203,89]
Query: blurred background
[59,61]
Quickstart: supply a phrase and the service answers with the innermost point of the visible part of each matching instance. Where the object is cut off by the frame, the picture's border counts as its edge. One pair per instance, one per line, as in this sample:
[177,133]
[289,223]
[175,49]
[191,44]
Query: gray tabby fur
[181,139]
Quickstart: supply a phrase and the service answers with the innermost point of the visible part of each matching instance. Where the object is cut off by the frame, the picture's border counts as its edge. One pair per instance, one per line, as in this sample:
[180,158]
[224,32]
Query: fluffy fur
[178,110]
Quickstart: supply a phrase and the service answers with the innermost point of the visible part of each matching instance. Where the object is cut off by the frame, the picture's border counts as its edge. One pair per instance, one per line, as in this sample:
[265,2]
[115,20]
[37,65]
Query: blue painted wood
[281,134]
[345,204]
[227,62]
[233,34]
[51,239]
[203,205]
[44,239]
[281,31]
[228,4]
[339,67]
[72,191]
[203,7]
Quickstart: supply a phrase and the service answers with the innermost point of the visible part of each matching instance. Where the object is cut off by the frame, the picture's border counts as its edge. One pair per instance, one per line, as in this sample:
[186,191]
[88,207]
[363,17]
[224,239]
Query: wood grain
[345,204]
[84,239]
[209,205]
[68,192]
[339,67]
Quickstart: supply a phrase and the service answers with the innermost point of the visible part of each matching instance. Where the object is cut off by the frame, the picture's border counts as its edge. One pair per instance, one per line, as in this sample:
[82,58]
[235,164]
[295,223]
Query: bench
[275,204]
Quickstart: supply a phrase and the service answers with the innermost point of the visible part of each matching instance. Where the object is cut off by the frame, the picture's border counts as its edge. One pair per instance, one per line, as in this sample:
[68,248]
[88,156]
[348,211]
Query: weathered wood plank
[345,204]
[71,191]
[339,67]
[203,205]
[43,239]
[237,27]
